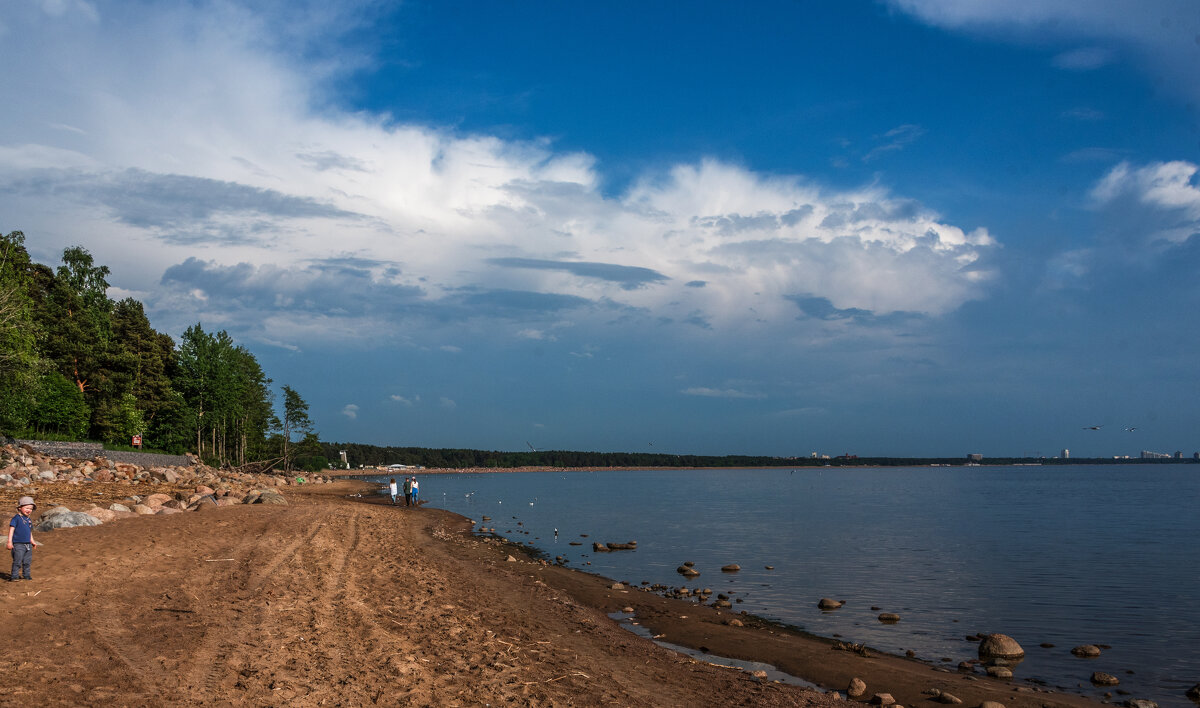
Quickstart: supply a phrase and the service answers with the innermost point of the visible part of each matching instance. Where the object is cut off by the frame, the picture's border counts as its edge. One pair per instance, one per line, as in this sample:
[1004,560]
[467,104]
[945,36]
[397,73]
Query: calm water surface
[1064,555]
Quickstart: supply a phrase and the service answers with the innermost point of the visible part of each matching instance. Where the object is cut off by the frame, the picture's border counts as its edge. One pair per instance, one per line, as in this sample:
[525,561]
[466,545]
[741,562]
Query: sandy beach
[336,599]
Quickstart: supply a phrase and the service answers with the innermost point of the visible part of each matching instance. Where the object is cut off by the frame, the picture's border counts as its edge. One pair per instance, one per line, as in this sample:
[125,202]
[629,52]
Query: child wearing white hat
[20,539]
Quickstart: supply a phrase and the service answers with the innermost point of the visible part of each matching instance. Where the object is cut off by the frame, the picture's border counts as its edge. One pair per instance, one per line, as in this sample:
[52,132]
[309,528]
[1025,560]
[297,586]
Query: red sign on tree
[137,440]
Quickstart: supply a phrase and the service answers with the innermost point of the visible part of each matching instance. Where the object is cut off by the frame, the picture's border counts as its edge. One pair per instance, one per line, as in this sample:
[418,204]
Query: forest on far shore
[358,454]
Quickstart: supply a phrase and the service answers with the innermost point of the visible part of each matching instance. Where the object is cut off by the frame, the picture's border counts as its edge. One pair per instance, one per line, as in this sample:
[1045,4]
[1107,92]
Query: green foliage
[309,454]
[226,395]
[295,421]
[19,361]
[60,408]
[128,421]
[75,365]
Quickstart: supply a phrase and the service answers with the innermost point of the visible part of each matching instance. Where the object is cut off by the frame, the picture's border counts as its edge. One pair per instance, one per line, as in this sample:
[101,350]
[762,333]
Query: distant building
[975,457]
[1147,455]
[1066,454]
[1178,455]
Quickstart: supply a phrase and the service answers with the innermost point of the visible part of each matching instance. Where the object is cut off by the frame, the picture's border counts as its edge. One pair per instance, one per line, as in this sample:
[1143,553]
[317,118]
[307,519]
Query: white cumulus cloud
[204,163]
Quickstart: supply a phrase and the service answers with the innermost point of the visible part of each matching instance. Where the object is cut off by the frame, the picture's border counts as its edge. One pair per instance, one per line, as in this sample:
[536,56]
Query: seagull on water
[1092,427]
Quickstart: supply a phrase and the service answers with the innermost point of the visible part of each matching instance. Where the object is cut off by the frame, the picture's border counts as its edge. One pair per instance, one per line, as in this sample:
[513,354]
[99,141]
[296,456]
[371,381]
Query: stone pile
[24,470]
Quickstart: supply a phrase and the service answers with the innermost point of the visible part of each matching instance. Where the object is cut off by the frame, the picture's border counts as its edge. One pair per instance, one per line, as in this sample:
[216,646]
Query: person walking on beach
[20,539]
[394,490]
[416,492]
[408,491]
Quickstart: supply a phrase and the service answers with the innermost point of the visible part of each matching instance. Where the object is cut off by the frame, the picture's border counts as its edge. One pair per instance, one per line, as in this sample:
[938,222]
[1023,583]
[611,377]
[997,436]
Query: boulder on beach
[205,500]
[1000,672]
[857,688]
[883,699]
[1100,678]
[1000,646]
[66,520]
[1087,651]
[103,515]
[992,704]
[156,500]
[829,604]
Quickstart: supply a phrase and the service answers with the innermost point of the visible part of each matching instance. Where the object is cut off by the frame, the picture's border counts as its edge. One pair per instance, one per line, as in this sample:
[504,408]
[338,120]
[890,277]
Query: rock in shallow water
[1100,678]
[1087,651]
[1000,646]
[829,604]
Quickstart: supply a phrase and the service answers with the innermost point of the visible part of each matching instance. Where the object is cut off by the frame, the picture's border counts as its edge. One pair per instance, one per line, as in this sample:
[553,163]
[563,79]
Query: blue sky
[905,227]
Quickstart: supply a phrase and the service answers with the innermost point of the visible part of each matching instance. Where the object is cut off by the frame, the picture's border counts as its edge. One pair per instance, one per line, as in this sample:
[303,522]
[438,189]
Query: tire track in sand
[215,657]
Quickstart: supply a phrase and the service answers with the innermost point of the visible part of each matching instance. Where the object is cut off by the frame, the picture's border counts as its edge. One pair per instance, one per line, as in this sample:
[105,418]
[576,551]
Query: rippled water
[1065,555]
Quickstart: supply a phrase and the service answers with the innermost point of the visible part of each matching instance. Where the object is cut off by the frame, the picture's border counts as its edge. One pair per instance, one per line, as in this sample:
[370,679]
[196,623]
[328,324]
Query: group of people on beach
[411,490]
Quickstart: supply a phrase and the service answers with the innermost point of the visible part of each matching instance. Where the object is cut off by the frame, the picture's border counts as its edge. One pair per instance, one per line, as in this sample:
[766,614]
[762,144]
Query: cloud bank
[251,201]
[1159,34]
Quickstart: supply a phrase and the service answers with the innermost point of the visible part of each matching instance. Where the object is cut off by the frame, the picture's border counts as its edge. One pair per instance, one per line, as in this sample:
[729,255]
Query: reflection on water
[1061,556]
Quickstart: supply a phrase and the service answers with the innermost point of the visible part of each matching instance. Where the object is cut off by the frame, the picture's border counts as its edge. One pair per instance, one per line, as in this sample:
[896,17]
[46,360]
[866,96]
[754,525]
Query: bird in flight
[1130,430]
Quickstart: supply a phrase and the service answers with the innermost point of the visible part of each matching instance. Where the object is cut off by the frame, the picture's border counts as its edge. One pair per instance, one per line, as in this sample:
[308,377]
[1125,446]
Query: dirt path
[326,601]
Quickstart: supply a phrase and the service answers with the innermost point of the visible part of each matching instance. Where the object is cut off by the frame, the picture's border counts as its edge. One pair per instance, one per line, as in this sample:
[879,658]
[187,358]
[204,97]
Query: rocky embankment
[88,492]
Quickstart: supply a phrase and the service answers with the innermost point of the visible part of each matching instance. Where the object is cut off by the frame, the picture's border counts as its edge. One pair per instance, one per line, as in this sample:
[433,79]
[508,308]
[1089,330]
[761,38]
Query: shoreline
[353,474]
[826,662]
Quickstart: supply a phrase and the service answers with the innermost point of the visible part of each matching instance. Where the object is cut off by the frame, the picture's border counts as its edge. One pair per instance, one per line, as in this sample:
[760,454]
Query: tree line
[359,454]
[75,365]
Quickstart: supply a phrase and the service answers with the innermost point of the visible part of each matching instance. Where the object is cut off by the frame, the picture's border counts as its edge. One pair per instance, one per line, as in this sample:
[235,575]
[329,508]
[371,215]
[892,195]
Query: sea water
[1065,555]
